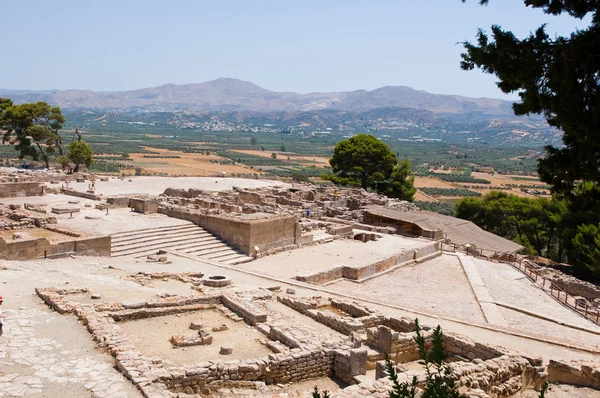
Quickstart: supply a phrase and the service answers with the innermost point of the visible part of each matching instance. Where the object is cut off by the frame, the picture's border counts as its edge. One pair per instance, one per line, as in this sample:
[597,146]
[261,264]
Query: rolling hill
[227,94]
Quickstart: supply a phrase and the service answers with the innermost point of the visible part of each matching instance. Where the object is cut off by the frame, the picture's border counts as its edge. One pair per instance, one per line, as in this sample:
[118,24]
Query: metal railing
[556,292]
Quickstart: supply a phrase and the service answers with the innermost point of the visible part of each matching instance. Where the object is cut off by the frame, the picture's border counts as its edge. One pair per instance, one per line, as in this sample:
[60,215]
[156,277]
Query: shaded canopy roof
[457,230]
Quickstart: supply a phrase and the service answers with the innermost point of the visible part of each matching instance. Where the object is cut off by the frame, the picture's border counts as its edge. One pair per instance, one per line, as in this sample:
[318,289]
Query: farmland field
[181,163]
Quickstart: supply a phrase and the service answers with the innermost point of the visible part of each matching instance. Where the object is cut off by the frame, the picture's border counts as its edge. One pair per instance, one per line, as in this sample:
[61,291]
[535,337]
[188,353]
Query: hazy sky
[282,45]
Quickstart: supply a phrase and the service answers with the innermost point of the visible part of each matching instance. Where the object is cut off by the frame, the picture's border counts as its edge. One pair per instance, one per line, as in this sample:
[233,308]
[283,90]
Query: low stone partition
[578,374]
[401,347]
[273,369]
[20,189]
[324,311]
[359,273]
[251,313]
[143,313]
[85,195]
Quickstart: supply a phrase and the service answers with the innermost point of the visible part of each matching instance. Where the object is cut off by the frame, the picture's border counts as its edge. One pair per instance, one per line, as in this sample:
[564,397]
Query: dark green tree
[63,160]
[80,152]
[362,160]
[536,223]
[586,248]
[401,183]
[34,129]
[556,77]
[253,140]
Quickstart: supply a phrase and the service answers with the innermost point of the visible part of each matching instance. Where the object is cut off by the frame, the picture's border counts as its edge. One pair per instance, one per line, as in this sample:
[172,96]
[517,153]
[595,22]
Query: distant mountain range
[226,94]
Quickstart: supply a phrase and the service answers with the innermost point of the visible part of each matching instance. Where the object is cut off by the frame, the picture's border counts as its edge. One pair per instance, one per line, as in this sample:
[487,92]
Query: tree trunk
[363,181]
[76,169]
[44,156]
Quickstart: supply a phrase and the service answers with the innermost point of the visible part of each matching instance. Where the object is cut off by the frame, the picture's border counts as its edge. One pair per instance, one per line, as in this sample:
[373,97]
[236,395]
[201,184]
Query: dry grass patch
[187,164]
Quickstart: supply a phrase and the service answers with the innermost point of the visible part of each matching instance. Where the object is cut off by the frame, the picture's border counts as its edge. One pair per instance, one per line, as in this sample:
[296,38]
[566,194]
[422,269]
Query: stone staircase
[185,238]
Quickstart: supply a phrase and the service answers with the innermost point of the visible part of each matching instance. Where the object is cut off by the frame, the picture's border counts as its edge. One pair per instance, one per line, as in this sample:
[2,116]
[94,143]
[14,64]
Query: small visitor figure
[2,317]
[307,213]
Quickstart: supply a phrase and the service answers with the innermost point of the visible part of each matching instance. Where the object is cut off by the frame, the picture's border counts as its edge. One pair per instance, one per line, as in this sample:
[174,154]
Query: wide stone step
[160,245]
[154,232]
[166,237]
[186,239]
[217,255]
[239,260]
[173,245]
[208,249]
[196,244]
[166,234]
[146,231]
[229,256]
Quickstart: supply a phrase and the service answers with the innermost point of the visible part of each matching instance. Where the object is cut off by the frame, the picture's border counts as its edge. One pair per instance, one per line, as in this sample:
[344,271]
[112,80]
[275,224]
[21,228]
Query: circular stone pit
[216,281]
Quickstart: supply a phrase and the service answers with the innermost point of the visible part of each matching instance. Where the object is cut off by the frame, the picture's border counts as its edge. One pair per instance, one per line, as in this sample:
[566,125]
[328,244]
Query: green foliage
[437,207]
[536,223]
[273,155]
[556,77]
[80,152]
[63,161]
[317,394]
[543,390]
[400,390]
[586,248]
[32,128]
[439,382]
[460,192]
[401,184]
[360,157]
[282,148]
[299,177]
[365,161]
[253,140]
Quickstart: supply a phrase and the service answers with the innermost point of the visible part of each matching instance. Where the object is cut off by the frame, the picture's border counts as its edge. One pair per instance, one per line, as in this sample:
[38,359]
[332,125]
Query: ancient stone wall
[579,374]
[20,189]
[27,249]
[95,246]
[269,233]
[144,206]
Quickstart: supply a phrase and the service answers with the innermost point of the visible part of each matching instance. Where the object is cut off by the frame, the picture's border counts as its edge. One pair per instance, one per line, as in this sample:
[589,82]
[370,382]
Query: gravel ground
[437,286]
[152,337]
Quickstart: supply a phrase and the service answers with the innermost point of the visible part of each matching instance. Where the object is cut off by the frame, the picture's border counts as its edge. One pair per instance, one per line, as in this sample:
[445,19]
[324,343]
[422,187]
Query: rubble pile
[12,217]
[318,205]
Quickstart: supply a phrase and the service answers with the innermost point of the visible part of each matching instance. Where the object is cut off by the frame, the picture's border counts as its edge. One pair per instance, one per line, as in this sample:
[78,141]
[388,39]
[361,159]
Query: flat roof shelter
[437,226]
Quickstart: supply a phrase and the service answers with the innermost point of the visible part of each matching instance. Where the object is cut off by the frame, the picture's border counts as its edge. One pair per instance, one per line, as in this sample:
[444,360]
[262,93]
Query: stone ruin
[359,339]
